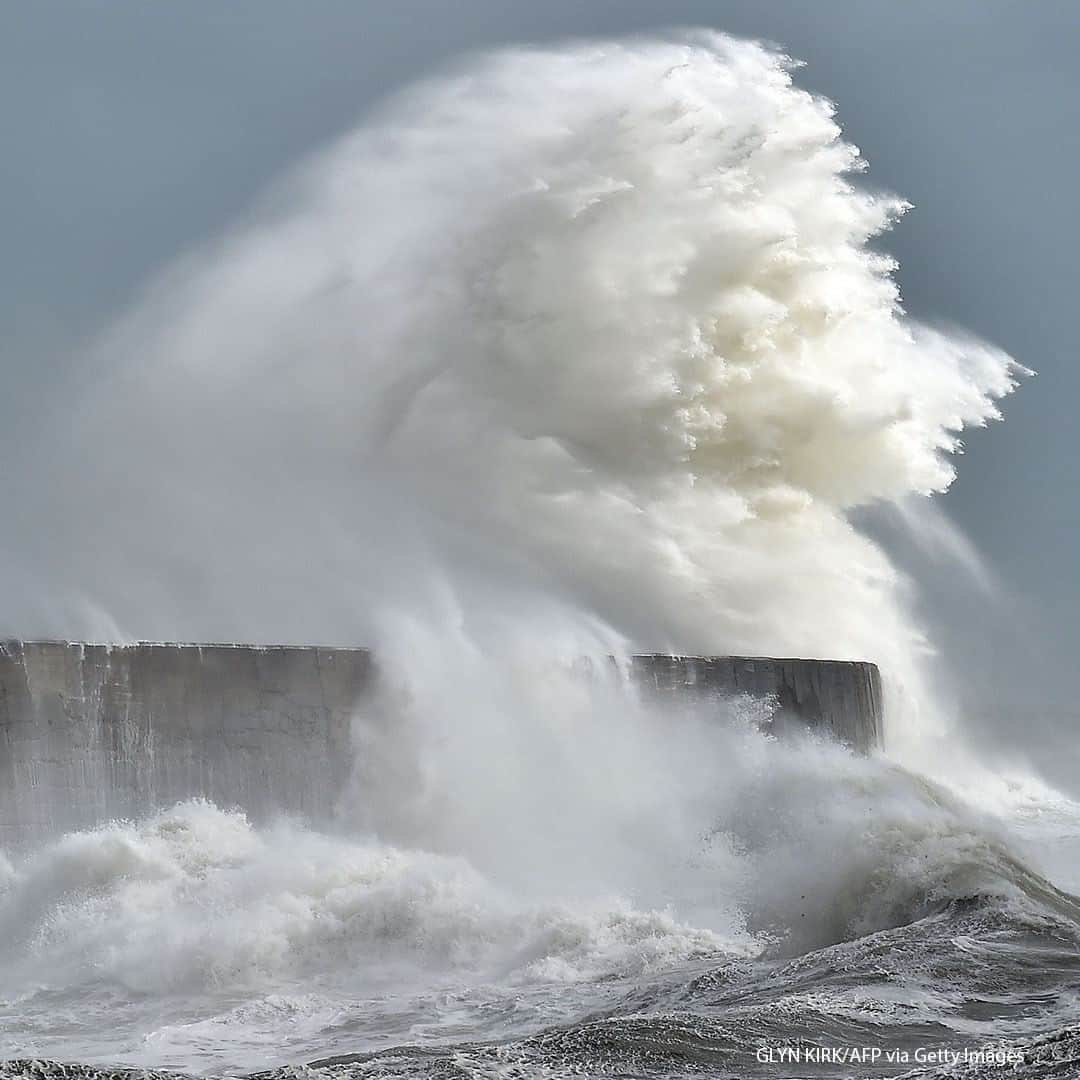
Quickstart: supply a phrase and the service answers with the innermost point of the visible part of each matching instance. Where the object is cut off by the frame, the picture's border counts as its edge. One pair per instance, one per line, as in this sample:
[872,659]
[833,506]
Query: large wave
[600,329]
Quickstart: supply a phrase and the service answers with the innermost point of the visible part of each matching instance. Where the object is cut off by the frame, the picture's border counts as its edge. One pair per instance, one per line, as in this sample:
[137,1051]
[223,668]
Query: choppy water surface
[834,903]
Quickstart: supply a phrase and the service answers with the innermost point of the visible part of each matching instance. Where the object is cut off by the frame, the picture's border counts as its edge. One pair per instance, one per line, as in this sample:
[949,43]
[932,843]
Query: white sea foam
[195,897]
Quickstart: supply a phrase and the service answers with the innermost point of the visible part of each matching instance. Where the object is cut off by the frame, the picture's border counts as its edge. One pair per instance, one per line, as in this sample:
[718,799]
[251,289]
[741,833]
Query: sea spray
[598,332]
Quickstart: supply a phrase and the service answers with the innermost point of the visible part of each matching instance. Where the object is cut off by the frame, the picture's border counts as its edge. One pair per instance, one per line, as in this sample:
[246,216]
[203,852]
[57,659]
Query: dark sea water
[949,995]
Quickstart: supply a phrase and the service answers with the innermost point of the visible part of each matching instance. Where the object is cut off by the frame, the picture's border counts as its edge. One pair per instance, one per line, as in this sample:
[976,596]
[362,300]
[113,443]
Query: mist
[639,362]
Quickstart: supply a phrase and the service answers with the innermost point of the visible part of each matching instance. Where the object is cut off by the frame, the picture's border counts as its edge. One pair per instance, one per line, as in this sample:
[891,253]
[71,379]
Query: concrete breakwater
[94,732]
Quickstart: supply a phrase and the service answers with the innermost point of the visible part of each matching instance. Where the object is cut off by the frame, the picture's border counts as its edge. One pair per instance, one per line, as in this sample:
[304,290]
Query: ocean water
[561,354]
[723,899]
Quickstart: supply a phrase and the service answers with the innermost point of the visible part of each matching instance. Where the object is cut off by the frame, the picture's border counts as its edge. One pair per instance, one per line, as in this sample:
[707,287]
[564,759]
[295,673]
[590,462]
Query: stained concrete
[94,732]
[839,698]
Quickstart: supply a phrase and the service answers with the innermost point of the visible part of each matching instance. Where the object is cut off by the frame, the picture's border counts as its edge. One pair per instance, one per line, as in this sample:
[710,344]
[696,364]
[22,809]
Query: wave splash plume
[600,327]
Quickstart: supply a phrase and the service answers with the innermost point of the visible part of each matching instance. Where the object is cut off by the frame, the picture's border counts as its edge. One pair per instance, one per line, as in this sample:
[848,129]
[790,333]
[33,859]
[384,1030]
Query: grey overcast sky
[132,131]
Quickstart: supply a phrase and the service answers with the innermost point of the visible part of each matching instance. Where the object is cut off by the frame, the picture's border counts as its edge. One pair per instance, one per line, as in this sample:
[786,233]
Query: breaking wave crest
[195,897]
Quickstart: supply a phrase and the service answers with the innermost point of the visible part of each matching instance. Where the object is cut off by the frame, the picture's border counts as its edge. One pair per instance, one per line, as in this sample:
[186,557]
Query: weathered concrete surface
[94,732]
[840,698]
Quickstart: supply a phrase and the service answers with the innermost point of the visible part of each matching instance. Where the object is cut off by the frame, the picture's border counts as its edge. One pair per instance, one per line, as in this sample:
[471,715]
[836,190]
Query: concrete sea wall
[94,732]
[840,698]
